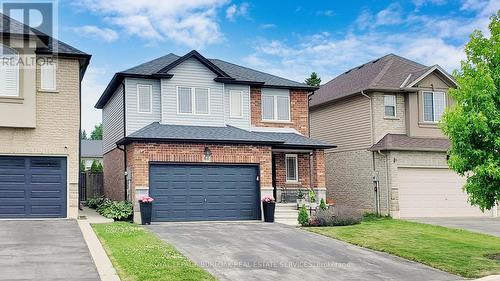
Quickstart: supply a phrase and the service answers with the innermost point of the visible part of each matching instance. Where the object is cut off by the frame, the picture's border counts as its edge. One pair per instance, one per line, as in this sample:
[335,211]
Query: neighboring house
[207,139]
[91,151]
[39,123]
[391,155]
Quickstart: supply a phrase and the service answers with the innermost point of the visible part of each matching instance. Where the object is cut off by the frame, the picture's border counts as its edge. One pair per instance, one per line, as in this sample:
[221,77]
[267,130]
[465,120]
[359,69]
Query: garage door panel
[209,192]
[33,187]
[433,192]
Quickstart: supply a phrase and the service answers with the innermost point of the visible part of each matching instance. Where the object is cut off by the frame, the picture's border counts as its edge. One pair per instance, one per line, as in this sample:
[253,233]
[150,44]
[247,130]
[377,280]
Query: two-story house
[391,156]
[207,139]
[39,123]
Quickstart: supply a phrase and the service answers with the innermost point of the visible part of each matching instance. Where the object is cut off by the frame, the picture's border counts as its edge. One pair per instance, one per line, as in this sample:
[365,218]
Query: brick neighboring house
[391,154]
[206,138]
[39,123]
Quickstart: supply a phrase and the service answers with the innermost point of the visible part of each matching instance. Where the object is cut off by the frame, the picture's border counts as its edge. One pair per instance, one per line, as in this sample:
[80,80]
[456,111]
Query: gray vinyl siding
[345,123]
[192,73]
[112,121]
[136,120]
[240,122]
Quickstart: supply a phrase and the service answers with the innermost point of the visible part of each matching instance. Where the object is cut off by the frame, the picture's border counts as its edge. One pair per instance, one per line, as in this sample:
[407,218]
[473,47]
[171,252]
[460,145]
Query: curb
[101,260]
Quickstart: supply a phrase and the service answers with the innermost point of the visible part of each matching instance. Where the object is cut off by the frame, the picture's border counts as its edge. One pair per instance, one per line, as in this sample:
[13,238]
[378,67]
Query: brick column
[318,174]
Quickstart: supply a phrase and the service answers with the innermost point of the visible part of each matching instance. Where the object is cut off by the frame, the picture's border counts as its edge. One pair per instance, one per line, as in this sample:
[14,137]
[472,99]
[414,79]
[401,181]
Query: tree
[473,124]
[82,166]
[83,135]
[313,80]
[96,133]
[96,167]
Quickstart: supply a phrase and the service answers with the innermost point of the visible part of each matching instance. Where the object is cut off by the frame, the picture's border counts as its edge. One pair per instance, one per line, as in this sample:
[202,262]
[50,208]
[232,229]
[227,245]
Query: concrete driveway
[483,225]
[263,251]
[44,250]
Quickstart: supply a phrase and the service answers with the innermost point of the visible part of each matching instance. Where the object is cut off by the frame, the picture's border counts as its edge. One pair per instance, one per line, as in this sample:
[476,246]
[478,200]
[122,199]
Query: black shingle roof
[237,74]
[91,148]
[404,142]
[229,134]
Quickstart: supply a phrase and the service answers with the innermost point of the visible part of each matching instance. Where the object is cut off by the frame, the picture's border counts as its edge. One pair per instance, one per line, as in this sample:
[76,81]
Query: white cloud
[326,13]
[105,34]
[189,22]
[419,3]
[389,16]
[92,88]
[267,26]
[234,11]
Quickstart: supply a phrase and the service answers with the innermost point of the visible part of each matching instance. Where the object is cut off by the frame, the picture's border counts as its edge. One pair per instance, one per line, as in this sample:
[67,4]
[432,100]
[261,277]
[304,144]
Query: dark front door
[33,187]
[204,192]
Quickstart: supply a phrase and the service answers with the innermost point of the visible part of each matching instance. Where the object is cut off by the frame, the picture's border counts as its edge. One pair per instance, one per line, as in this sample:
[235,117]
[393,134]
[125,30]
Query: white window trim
[433,106]
[17,95]
[275,104]
[296,168]
[193,101]
[240,93]
[55,79]
[150,98]
[395,106]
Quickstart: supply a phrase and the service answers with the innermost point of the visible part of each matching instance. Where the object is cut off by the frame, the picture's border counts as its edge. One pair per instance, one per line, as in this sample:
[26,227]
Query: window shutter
[48,75]
[267,107]
[201,101]
[144,96]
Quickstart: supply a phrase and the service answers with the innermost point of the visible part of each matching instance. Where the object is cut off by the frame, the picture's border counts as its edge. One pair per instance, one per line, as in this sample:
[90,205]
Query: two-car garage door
[204,192]
[433,192]
[33,187]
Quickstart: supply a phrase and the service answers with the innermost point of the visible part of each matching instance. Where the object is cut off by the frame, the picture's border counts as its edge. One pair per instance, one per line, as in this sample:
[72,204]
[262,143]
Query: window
[434,105]
[275,107]
[144,98]
[48,75]
[193,100]
[390,106]
[292,168]
[9,72]
[235,103]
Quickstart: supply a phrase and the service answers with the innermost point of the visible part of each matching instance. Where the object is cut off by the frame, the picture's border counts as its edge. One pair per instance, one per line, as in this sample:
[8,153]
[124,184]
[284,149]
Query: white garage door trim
[419,198]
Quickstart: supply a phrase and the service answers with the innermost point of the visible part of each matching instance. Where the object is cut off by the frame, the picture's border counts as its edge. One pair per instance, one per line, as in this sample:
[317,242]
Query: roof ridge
[381,73]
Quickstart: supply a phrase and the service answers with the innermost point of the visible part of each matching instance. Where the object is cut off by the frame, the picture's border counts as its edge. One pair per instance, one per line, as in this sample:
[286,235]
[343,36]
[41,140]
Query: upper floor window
[390,106]
[275,107]
[9,72]
[235,103]
[434,105]
[48,75]
[192,100]
[144,98]
[292,168]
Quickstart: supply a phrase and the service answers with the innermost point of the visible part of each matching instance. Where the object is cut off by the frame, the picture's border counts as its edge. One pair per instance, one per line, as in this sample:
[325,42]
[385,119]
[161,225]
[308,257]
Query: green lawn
[457,251]
[138,254]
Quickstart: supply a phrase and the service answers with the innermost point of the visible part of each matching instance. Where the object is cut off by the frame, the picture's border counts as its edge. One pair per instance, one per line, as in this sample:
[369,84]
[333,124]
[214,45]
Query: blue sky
[286,38]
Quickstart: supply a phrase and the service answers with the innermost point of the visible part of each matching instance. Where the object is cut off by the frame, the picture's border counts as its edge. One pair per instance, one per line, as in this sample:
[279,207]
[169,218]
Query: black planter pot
[268,211]
[146,211]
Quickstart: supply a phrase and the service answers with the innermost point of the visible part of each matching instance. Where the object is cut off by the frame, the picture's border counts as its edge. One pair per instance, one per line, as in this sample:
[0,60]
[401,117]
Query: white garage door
[433,192]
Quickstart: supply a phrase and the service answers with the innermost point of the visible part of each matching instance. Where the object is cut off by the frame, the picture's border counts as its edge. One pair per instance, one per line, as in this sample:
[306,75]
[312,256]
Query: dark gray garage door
[32,187]
[190,192]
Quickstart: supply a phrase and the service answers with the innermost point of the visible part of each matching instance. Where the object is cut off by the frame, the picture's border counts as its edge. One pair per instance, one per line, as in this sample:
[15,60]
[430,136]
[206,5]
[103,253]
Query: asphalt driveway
[483,225]
[44,250]
[263,251]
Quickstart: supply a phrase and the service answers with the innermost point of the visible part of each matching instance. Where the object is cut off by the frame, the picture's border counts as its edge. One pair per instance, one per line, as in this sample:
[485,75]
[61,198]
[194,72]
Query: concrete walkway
[44,250]
[264,251]
[489,226]
[104,266]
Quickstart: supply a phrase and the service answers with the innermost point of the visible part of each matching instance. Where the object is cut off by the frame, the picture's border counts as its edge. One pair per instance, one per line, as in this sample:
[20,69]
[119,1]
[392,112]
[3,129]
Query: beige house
[39,123]
[391,156]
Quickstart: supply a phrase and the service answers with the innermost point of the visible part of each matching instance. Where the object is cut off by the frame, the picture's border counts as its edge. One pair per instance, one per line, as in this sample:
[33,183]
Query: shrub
[337,216]
[303,216]
[322,204]
[117,210]
[95,202]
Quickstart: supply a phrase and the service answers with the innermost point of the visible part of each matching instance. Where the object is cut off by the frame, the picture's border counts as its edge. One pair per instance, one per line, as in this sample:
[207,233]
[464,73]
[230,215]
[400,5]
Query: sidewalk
[104,266]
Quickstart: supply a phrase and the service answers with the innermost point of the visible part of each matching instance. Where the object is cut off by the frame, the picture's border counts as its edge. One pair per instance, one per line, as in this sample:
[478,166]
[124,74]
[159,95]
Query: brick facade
[303,163]
[114,180]
[299,112]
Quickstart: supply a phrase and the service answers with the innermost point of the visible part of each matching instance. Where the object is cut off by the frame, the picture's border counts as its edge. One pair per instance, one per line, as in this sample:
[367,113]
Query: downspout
[80,137]
[376,180]
[309,135]
[387,181]
[125,173]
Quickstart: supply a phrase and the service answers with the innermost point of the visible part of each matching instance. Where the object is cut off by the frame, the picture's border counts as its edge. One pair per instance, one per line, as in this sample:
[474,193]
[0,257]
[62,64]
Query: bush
[95,202]
[117,210]
[336,216]
[303,216]
[322,204]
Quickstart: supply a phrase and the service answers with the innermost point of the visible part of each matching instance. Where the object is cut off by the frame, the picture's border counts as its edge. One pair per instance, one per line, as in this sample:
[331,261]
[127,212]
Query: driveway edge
[101,260]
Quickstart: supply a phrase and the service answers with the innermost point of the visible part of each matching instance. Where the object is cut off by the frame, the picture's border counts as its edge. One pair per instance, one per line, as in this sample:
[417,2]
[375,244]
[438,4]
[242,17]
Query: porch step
[286,213]
[292,222]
